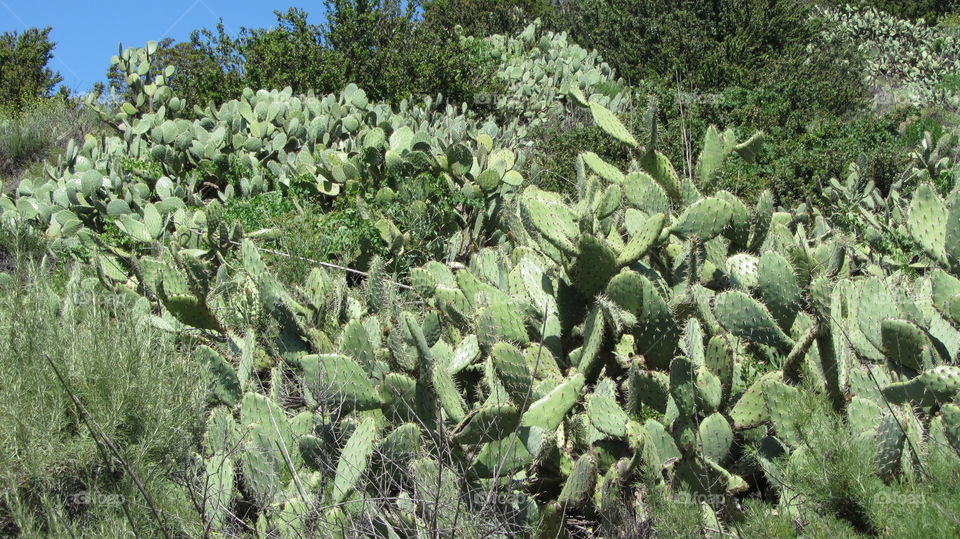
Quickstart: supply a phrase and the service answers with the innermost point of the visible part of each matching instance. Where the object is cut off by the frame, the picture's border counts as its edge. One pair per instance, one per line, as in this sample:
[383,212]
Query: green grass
[837,491]
[145,393]
[37,133]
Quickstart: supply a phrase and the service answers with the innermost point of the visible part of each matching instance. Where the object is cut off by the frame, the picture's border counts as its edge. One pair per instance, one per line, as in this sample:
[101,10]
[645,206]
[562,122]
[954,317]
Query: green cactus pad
[644,193]
[945,290]
[398,393]
[951,423]
[906,344]
[448,394]
[546,215]
[779,288]
[709,391]
[606,415]
[501,322]
[487,424]
[660,448]
[603,169]
[594,329]
[511,369]
[656,333]
[548,412]
[742,316]
[659,167]
[262,464]
[863,416]
[594,266]
[649,388]
[642,241]
[223,382]
[781,401]
[683,386]
[353,459]
[875,304]
[333,378]
[355,343]
[934,386]
[927,222]
[719,360]
[751,409]
[704,220]
[579,486]
[463,356]
[762,217]
[890,440]
[612,125]
[502,458]
[952,239]
[716,437]
[626,290]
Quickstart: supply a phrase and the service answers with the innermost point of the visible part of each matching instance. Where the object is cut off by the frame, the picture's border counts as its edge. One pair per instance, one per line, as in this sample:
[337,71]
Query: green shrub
[481,18]
[141,389]
[24,75]
[389,53]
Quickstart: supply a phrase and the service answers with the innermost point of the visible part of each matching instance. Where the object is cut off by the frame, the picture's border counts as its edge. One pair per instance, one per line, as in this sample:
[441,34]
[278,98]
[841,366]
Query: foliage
[24,74]
[708,45]
[906,61]
[642,352]
[136,384]
[387,52]
[483,18]
[28,137]
[929,10]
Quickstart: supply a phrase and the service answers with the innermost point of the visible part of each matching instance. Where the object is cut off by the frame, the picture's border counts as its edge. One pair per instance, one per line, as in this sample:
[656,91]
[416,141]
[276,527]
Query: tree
[290,54]
[24,75]
[392,54]
[386,50]
[481,18]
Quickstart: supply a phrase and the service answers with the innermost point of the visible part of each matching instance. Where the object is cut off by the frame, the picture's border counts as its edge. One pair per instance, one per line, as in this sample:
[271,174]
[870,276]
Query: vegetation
[24,75]
[693,291]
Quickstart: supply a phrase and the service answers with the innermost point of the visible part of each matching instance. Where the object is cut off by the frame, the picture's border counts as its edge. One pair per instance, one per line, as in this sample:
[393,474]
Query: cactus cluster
[644,333]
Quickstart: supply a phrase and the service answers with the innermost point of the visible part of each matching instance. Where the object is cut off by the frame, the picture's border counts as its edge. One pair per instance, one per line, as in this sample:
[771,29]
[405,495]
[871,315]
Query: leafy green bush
[391,54]
[707,45]
[24,75]
[481,18]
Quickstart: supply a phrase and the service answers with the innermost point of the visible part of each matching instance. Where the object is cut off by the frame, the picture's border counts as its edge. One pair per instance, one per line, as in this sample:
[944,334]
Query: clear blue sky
[88,33]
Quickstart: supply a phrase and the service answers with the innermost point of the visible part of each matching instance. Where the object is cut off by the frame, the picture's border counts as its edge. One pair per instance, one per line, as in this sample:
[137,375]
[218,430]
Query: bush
[144,392]
[481,18]
[24,75]
[709,45]
[388,53]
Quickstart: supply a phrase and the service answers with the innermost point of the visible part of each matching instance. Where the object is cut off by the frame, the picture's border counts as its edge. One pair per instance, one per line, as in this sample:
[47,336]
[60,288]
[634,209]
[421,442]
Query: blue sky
[88,33]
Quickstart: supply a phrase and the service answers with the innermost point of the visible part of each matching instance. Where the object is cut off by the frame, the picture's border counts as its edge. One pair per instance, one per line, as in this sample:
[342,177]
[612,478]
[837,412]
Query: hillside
[586,301]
